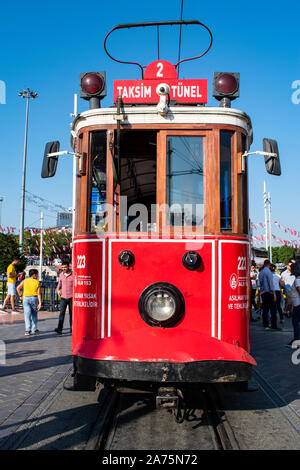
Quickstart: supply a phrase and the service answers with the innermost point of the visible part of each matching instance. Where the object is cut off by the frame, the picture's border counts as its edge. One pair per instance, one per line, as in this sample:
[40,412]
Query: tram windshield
[138,170]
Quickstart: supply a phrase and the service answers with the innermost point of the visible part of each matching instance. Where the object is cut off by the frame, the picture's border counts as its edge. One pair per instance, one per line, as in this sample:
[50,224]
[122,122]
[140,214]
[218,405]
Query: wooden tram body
[211,341]
[161,298]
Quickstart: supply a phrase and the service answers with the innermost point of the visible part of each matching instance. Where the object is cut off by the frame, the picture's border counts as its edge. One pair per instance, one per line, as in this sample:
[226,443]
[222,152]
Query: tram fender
[162,345]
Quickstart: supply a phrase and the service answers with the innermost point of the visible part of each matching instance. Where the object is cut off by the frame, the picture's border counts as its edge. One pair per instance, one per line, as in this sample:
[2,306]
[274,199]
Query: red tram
[161,246]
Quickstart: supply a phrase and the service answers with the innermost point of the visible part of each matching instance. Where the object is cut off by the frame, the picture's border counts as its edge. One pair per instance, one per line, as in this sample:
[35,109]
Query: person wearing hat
[268,296]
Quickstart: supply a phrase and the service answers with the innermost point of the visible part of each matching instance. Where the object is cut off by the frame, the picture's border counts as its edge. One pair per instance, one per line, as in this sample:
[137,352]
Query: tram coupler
[167,398]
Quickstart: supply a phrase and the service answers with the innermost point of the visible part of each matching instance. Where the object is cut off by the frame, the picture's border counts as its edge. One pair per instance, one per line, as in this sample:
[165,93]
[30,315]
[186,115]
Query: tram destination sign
[161,72]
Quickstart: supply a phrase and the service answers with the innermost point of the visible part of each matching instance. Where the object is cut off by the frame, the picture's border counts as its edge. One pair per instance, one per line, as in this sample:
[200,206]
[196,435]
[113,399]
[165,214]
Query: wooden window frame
[161,186]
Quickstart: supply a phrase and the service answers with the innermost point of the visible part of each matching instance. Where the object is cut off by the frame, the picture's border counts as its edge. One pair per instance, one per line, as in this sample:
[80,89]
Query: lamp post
[1,200]
[24,94]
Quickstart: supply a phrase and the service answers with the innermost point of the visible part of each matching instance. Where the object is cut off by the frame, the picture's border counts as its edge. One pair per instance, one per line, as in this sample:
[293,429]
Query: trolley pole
[24,94]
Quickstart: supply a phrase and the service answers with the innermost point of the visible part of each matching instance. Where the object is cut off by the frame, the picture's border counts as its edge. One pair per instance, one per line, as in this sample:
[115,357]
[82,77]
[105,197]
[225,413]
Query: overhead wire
[179,46]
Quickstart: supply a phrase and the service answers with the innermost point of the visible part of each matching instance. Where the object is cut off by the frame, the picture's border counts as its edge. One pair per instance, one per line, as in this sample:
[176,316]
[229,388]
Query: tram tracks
[109,400]
[220,425]
[122,424]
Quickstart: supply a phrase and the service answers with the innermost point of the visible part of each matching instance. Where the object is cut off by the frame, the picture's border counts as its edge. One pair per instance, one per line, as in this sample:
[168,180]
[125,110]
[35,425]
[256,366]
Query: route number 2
[160,67]
[80,261]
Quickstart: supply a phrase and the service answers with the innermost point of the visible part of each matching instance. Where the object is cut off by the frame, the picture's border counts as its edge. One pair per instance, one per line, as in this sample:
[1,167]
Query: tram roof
[176,115]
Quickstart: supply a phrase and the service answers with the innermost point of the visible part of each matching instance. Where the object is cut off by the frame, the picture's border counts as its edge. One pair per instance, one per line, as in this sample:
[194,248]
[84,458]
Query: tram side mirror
[272,162]
[50,163]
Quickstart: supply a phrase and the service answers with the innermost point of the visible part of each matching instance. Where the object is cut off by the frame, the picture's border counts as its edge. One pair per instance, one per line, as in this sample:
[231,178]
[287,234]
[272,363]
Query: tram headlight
[161,304]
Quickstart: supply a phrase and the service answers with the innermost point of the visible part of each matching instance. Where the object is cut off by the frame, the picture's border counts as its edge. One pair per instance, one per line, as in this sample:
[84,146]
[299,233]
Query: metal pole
[21,239]
[266,221]
[74,171]
[270,231]
[41,245]
[24,94]
[74,195]
[1,200]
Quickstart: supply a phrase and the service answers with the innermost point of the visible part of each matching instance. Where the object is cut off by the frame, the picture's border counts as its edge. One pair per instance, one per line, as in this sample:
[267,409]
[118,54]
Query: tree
[9,249]
[276,254]
[56,242]
[282,254]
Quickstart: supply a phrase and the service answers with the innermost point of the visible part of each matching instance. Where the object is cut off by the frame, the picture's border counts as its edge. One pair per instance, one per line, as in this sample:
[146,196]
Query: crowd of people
[276,295]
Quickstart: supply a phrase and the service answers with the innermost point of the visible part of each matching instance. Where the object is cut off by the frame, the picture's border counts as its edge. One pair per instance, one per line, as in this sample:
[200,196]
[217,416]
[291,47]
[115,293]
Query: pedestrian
[253,278]
[32,301]
[276,279]
[286,282]
[11,286]
[295,299]
[268,296]
[65,292]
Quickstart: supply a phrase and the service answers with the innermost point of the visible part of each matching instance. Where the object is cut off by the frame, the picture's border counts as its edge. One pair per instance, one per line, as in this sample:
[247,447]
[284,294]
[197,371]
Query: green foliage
[281,254]
[9,249]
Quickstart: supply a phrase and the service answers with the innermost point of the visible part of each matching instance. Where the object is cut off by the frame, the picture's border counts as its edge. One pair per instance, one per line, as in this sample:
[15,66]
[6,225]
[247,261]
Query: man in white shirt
[295,300]
[286,281]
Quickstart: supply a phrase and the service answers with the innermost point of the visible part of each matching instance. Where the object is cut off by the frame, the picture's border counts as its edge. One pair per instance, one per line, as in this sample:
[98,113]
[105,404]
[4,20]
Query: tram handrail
[157,23]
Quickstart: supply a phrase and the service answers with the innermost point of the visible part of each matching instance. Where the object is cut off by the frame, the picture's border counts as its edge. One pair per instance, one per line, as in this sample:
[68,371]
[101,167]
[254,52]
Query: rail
[50,299]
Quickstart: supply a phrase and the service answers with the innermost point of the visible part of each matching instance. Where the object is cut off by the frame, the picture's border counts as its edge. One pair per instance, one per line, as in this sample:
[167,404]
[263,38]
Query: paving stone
[274,361]
[34,367]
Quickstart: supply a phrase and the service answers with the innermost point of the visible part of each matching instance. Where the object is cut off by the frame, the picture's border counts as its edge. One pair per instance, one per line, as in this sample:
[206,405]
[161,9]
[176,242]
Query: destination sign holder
[161,72]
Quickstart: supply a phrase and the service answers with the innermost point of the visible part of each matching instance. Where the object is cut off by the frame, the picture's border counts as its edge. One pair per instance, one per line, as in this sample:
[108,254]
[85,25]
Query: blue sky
[46,45]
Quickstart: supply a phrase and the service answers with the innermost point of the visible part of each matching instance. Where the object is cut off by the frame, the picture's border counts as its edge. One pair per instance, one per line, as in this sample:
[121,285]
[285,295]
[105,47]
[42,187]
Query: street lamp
[24,94]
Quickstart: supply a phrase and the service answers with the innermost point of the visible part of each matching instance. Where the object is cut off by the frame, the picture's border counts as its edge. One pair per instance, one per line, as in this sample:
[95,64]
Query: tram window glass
[225,181]
[244,177]
[185,180]
[138,180]
[98,196]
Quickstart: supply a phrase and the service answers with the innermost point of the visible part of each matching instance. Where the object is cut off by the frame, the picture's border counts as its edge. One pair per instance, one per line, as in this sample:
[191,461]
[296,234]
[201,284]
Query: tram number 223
[80,261]
[242,263]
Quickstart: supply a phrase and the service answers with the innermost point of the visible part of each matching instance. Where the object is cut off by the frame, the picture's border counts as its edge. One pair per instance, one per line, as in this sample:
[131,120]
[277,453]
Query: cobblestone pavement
[277,364]
[30,367]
